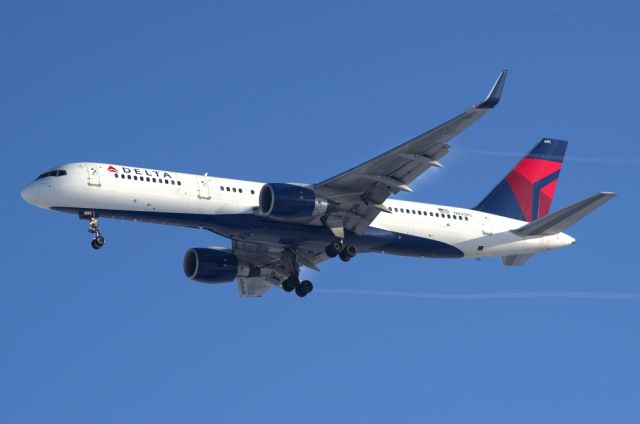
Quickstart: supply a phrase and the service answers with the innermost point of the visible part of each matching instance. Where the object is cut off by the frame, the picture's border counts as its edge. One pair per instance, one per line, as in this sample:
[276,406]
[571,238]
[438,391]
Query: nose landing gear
[94,228]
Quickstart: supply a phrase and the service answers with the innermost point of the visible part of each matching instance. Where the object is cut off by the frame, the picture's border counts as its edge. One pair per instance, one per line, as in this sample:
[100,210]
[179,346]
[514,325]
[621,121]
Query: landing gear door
[487,228]
[203,188]
[93,175]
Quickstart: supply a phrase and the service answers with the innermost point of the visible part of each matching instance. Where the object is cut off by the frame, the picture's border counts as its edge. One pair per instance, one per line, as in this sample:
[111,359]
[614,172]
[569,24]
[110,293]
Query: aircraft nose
[31,193]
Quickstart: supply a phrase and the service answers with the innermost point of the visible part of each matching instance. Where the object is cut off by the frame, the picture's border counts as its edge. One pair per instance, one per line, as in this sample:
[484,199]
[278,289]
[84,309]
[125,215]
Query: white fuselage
[149,195]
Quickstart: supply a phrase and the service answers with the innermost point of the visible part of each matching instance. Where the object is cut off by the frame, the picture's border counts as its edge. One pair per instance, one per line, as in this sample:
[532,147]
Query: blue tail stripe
[549,149]
[536,192]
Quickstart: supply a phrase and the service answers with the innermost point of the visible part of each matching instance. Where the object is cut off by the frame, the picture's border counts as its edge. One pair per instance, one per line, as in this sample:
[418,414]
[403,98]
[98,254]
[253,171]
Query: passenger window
[414,211]
[234,189]
[240,190]
[179,183]
[466,219]
[437,215]
[221,188]
[135,177]
[154,180]
[115,175]
[448,216]
[228,189]
[401,210]
[128,177]
[166,181]
[252,192]
[173,182]
[430,213]
[148,179]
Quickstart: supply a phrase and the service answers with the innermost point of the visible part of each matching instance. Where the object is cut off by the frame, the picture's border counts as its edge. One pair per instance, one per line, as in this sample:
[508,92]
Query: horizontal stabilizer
[514,260]
[557,221]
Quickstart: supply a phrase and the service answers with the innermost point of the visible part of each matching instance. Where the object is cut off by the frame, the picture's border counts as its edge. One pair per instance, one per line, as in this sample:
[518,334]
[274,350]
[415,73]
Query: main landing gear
[338,248]
[302,288]
[94,228]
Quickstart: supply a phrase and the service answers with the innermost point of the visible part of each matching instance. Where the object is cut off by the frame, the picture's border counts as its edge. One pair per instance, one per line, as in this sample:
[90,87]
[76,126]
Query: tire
[286,287]
[306,286]
[344,256]
[290,284]
[330,252]
[95,245]
[300,291]
[337,246]
[351,250]
[100,241]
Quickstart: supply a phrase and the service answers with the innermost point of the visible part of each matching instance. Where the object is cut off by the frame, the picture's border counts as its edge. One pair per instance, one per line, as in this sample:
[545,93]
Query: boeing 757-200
[277,228]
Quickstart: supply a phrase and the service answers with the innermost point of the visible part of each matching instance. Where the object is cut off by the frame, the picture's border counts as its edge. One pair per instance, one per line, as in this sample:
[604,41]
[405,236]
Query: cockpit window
[56,173]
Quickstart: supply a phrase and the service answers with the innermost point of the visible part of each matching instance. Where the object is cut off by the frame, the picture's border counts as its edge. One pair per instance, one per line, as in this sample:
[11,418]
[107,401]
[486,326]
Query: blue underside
[255,228]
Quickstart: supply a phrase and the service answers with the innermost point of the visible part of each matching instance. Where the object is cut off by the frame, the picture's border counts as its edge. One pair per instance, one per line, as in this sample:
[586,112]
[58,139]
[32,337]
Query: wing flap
[270,264]
[253,286]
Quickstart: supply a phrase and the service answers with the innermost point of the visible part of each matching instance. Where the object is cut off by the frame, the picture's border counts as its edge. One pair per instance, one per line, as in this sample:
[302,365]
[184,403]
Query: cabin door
[203,188]
[93,175]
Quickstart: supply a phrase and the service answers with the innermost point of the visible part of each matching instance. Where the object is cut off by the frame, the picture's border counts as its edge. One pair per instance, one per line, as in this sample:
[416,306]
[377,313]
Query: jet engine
[290,201]
[210,265]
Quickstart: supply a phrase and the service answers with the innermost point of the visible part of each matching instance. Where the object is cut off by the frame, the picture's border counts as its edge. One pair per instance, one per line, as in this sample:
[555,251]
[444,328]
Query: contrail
[486,296]
[621,161]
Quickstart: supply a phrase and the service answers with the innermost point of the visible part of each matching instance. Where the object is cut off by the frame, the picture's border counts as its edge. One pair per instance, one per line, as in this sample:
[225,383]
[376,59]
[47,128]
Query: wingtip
[496,92]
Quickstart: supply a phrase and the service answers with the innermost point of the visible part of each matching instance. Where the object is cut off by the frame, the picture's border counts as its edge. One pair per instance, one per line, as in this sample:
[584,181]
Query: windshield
[56,173]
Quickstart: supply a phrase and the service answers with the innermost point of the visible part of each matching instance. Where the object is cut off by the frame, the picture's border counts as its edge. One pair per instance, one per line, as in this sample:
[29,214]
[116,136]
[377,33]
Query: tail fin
[527,191]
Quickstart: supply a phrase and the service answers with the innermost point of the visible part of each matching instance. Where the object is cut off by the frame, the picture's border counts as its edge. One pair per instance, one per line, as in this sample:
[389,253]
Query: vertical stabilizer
[527,191]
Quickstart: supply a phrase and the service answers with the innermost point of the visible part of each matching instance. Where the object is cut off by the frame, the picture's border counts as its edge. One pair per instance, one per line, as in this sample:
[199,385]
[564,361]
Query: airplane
[278,228]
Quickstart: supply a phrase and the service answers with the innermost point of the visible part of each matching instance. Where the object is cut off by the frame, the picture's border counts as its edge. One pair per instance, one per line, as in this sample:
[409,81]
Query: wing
[360,191]
[271,264]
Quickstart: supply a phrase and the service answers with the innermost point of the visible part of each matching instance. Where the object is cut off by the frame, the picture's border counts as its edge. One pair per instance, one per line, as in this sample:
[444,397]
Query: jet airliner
[277,228]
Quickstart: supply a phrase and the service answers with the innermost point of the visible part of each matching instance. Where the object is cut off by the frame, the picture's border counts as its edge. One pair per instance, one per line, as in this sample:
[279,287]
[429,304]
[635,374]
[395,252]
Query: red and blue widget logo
[526,193]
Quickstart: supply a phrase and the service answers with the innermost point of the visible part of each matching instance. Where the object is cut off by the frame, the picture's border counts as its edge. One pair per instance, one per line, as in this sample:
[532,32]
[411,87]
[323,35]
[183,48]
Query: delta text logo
[138,171]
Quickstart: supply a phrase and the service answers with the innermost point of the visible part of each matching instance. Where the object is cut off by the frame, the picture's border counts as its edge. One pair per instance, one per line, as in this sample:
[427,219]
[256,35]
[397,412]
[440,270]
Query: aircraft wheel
[348,252]
[306,286]
[100,241]
[330,252]
[334,248]
[95,245]
[300,291]
[290,284]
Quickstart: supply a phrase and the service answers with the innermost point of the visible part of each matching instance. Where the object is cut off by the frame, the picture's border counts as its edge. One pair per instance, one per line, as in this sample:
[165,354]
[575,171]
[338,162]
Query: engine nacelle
[210,265]
[289,201]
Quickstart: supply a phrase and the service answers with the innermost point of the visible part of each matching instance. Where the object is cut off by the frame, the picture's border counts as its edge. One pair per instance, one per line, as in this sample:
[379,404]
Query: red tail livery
[527,191]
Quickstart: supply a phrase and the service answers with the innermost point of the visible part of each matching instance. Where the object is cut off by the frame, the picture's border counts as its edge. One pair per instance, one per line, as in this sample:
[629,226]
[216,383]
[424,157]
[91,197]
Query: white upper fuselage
[90,186]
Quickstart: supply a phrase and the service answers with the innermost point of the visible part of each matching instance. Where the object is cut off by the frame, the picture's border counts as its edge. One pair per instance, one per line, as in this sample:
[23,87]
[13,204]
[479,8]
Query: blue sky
[286,91]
